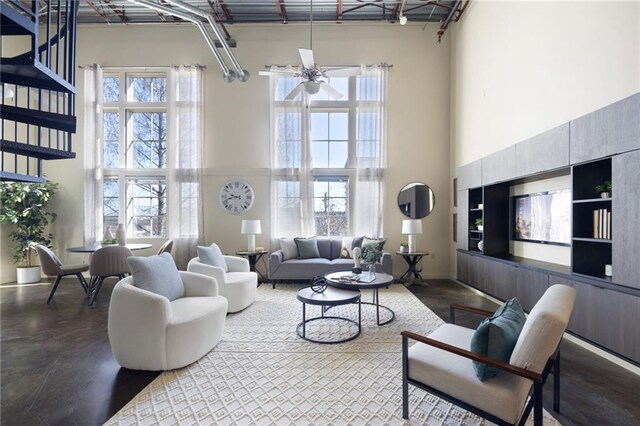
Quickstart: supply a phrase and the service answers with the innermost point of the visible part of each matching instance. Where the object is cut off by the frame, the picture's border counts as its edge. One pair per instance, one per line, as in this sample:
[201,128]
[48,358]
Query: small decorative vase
[605,195]
[107,234]
[121,235]
[372,270]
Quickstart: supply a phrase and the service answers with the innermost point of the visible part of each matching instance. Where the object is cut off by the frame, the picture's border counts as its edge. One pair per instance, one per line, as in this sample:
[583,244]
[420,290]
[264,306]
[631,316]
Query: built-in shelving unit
[475,212]
[591,249]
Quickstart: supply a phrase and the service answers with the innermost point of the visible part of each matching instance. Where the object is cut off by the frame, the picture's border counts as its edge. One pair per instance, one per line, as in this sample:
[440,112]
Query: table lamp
[412,227]
[251,228]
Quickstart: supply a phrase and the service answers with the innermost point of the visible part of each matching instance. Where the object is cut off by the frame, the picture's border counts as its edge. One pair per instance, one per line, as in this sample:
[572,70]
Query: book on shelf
[602,224]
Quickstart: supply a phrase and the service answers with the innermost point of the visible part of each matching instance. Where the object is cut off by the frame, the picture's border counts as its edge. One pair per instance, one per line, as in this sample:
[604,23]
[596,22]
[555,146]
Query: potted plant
[478,224]
[604,189]
[25,206]
[404,247]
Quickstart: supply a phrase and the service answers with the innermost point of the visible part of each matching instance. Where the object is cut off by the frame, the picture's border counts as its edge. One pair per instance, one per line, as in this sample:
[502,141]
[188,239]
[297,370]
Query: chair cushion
[544,328]
[372,249]
[307,247]
[504,396]
[157,274]
[289,248]
[74,269]
[496,337]
[213,256]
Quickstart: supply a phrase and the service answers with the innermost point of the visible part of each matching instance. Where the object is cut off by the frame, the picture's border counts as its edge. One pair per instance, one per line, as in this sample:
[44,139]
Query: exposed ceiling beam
[396,10]
[98,11]
[216,16]
[119,13]
[226,12]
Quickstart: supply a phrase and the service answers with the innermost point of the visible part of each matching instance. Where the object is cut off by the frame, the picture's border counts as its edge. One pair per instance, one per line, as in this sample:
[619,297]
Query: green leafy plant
[478,222]
[605,186]
[404,244]
[25,206]
[110,241]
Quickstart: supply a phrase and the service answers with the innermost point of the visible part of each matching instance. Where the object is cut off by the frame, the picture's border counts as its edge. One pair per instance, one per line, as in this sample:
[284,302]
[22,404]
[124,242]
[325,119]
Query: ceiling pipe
[243,75]
[229,75]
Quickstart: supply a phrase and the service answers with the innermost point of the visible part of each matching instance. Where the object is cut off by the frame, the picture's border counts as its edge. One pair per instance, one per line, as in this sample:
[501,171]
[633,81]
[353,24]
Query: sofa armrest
[237,264]
[275,259]
[211,271]
[198,285]
[387,262]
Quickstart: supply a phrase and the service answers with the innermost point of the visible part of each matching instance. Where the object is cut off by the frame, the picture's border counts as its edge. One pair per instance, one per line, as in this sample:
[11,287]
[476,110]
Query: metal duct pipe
[229,75]
[243,75]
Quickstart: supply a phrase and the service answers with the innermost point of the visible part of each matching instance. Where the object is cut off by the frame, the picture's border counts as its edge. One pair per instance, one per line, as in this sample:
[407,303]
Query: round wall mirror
[416,200]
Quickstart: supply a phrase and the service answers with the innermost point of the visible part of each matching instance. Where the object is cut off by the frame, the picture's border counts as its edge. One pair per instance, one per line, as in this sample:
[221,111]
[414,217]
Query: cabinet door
[463,267]
[606,317]
[543,152]
[530,286]
[625,170]
[470,175]
[501,282]
[479,273]
[607,131]
[499,166]
[463,220]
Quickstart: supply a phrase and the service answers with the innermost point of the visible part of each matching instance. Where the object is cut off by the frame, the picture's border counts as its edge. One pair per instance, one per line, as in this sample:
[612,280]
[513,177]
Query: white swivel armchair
[149,332]
[238,284]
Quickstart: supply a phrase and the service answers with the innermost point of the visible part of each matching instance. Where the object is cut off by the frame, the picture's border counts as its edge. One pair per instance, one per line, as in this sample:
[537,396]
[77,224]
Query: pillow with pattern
[348,244]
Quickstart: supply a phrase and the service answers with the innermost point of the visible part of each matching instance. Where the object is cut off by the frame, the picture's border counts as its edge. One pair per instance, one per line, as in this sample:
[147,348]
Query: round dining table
[94,247]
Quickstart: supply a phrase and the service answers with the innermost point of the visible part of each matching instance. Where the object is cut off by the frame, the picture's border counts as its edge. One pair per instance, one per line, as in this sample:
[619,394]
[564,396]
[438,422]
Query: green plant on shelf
[604,187]
[478,222]
[404,244]
[109,241]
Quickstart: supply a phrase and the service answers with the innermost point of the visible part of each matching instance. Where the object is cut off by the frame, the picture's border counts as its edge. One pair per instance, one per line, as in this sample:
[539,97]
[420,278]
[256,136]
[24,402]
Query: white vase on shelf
[121,235]
[107,234]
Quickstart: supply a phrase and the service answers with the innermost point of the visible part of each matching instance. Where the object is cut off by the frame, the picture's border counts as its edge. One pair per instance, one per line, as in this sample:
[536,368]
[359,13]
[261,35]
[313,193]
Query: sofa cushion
[213,256]
[496,337]
[157,274]
[326,247]
[303,268]
[504,396]
[307,247]
[289,248]
[371,247]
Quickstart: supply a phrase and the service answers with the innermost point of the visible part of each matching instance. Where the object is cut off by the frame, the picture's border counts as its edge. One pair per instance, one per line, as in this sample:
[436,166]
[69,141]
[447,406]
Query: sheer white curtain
[291,180]
[371,151]
[93,163]
[184,201]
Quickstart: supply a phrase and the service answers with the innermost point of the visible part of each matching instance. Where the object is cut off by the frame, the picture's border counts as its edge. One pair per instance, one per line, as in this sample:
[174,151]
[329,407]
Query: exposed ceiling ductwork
[194,15]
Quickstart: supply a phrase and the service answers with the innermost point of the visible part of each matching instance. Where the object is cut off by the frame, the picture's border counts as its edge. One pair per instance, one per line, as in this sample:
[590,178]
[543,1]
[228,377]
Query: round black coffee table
[328,298]
[381,280]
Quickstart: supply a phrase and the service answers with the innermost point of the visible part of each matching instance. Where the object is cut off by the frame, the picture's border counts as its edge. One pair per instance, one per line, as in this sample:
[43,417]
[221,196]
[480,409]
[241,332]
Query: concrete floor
[57,367]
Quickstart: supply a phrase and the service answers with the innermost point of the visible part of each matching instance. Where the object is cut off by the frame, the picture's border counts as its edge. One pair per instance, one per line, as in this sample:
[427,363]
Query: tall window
[135,153]
[320,147]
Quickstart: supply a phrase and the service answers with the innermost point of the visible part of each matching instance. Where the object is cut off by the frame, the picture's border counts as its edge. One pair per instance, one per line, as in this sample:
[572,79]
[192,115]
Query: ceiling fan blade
[284,72]
[307,58]
[343,72]
[333,93]
[295,92]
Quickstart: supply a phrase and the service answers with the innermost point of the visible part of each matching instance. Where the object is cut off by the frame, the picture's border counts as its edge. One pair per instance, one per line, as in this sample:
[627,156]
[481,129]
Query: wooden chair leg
[54,288]
[96,290]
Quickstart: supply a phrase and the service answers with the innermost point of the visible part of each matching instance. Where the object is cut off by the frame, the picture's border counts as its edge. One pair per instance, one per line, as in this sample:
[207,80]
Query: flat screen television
[543,217]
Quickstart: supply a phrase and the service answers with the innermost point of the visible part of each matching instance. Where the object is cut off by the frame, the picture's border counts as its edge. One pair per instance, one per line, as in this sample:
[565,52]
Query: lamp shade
[251,227]
[411,226]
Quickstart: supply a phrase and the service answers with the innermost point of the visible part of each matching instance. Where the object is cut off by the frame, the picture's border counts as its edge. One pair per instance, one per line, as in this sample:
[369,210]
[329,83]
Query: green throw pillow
[307,247]
[496,337]
[372,249]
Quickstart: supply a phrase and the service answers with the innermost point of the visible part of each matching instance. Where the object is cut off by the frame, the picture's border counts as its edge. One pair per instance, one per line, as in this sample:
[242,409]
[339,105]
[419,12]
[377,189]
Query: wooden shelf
[592,200]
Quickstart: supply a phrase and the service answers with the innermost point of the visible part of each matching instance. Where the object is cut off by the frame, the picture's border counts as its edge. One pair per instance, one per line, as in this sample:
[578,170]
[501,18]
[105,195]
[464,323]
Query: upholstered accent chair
[53,267]
[237,284]
[147,331]
[108,261]
[442,364]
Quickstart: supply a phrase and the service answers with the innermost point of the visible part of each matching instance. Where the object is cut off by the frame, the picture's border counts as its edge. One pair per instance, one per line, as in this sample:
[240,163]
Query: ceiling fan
[313,75]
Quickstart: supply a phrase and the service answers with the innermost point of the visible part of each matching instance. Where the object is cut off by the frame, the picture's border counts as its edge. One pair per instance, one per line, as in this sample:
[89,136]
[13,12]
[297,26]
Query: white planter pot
[28,275]
[480,227]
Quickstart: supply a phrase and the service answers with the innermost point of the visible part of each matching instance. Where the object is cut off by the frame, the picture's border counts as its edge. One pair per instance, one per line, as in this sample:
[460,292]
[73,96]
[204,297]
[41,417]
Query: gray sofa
[329,261]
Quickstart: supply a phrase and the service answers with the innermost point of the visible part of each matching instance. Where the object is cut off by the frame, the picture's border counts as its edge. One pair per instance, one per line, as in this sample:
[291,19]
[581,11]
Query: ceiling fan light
[311,87]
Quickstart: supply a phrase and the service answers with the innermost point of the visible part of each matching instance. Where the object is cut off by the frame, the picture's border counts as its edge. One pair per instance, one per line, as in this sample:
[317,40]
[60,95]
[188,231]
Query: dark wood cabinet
[462,266]
[530,286]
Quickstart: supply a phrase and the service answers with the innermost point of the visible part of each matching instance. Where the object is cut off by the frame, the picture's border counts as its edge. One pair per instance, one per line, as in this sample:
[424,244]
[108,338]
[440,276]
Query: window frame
[125,107]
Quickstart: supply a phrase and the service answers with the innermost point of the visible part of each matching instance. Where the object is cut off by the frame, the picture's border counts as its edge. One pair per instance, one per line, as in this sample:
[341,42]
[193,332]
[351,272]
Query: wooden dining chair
[109,261]
[52,266]
[166,247]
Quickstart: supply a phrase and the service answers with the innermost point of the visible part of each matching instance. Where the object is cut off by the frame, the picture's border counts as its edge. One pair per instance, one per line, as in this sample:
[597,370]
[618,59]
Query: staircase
[37,112]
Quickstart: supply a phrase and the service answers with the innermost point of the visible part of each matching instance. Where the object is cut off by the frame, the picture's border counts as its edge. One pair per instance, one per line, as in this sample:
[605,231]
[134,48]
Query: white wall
[236,130]
[522,67]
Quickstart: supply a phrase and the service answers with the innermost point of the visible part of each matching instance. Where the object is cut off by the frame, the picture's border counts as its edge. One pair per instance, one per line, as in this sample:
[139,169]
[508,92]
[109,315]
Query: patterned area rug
[263,373]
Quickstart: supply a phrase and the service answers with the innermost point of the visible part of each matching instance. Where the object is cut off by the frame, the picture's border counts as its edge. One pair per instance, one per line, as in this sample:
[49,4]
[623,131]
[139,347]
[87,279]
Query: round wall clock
[236,196]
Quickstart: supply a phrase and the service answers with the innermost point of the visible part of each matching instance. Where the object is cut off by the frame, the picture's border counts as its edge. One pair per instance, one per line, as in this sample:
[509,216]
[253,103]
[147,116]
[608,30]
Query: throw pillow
[289,248]
[307,247]
[496,337]
[348,244]
[372,249]
[157,274]
[213,256]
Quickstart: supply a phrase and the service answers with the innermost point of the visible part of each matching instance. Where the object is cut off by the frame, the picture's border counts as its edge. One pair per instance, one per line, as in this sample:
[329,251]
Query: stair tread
[35,151]
[32,73]
[17,177]
[50,120]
